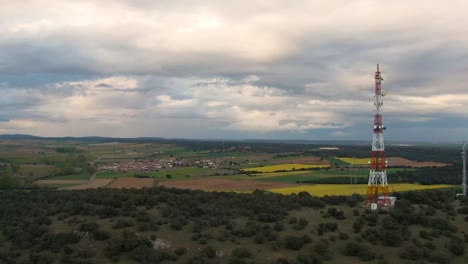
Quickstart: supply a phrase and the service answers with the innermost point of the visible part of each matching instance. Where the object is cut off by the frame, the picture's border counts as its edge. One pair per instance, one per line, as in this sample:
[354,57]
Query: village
[158,164]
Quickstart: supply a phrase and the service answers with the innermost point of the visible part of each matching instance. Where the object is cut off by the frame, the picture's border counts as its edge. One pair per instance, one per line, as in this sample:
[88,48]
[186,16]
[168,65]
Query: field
[35,171]
[319,176]
[97,183]
[302,160]
[222,185]
[285,167]
[348,189]
[394,162]
[355,161]
[70,177]
[137,183]
[230,221]
[398,161]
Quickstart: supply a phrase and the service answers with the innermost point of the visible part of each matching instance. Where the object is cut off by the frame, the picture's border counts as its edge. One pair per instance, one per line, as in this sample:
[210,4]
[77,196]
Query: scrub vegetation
[68,201]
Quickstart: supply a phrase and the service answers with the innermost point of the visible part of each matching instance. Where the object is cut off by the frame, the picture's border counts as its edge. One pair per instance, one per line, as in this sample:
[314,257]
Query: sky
[222,69]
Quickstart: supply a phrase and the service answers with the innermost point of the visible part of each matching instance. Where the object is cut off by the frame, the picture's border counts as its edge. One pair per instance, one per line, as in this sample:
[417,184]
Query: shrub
[321,247]
[357,226]
[180,251]
[364,252]
[411,252]
[424,235]
[429,245]
[441,258]
[101,235]
[84,253]
[278,227]
[457,246]
[176,224]
[208,252]
[241,253]
[463,210]
[391,238]
[121,223]
[296,243]
[312,259]
[343,236]
[88,227]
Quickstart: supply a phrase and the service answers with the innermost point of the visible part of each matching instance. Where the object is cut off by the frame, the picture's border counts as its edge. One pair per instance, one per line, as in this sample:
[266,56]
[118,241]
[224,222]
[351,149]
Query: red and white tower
[378,176]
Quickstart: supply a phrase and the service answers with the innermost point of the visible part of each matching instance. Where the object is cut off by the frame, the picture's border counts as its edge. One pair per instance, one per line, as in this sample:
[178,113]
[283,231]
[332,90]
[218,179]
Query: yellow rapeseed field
[348,189]
[285,167]
[276,174]
[356,161]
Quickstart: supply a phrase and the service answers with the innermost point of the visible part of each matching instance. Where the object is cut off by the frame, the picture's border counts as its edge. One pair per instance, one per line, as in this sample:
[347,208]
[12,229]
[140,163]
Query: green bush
[364,252]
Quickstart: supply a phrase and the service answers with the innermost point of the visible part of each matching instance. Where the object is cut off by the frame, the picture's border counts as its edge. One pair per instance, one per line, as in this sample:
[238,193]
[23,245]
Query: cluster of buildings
[157,164]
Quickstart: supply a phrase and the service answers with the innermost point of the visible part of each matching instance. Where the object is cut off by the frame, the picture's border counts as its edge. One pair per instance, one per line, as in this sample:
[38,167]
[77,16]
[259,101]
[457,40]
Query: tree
[7,180]
[457,246]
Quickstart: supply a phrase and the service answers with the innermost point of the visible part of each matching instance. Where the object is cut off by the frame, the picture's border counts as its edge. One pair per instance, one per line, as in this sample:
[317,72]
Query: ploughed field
[279,168]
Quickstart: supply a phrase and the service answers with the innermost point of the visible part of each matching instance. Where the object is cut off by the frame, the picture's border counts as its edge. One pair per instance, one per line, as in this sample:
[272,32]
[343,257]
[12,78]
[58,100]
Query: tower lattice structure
[378,184]
[464,170]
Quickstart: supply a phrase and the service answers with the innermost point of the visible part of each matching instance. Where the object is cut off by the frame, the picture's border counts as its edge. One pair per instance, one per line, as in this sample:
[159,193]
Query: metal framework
[464,169]
[378,183]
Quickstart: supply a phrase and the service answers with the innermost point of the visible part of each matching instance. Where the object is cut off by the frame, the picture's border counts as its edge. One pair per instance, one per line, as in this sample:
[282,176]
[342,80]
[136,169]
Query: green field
[70,177]
[59,185]
[285,167]
[34,171]
[343,176]
[176,173]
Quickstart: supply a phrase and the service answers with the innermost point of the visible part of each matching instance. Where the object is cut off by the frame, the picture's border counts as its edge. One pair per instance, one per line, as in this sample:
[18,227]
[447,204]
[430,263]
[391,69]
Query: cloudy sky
[257,69]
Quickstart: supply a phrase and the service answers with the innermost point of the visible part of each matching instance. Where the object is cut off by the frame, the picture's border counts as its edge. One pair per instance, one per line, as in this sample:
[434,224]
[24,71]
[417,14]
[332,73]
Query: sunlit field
[349,189]
[356,161]
[277,174]
[285,167]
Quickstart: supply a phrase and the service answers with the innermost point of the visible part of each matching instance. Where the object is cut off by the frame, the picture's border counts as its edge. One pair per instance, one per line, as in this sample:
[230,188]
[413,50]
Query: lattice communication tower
[378,184]
[464,170]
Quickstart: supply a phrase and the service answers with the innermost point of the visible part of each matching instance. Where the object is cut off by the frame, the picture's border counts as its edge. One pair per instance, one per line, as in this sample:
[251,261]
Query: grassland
[285,167]
[70,177]
[36,171]
[349,189]
[300,176]
[277,174]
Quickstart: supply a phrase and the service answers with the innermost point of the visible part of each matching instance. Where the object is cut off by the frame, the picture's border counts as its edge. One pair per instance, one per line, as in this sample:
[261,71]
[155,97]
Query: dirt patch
[42,182]
[223,184]
[127,182]
[306,160]
[398,161]
[97,183]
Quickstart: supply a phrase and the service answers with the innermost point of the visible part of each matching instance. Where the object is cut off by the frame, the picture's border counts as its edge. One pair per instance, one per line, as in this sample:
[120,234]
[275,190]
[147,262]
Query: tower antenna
[378,176]
[464,170]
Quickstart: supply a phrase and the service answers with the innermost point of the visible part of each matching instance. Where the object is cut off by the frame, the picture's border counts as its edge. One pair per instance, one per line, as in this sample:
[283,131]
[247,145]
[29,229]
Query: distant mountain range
[18,136]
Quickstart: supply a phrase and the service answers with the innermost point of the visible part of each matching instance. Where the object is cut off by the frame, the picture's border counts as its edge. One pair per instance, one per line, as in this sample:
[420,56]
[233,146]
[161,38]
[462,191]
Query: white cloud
[262,66]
